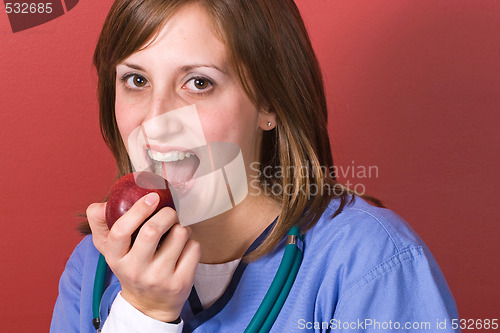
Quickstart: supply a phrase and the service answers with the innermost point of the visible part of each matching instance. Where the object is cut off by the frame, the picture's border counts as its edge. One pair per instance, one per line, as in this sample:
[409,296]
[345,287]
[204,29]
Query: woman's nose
[161,122]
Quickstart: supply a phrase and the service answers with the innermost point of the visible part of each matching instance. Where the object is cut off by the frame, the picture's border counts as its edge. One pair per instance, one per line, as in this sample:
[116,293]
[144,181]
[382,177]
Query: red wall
[412,86]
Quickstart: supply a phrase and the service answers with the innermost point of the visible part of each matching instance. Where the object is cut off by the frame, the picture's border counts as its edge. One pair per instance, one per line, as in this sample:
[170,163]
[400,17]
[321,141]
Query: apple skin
[130,188]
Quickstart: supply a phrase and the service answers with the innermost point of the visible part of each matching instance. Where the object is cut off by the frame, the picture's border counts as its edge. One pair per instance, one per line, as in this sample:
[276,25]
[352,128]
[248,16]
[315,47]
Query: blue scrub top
[365,270]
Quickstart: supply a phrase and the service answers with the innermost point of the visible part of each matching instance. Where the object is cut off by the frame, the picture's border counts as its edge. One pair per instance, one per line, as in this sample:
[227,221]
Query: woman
[176,77]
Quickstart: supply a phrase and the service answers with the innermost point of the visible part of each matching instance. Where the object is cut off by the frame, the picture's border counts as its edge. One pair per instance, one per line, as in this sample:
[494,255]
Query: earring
[269,124]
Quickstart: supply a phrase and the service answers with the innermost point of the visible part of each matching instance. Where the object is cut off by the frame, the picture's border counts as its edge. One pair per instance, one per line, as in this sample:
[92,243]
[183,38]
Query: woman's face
[179,94]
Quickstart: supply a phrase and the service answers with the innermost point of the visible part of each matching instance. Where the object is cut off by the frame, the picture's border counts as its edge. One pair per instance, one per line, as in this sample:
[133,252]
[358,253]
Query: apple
[130,188]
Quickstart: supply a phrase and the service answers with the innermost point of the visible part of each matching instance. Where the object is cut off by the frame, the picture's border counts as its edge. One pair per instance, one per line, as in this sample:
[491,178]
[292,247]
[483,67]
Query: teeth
[172,156]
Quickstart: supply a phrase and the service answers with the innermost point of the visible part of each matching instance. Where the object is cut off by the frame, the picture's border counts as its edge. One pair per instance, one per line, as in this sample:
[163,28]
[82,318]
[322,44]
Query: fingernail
[151,198]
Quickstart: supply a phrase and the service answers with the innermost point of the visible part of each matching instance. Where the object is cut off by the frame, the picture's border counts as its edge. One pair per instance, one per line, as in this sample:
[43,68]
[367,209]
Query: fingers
[188,260]
[121,232]
[178,256]
[150,233]
[172,247]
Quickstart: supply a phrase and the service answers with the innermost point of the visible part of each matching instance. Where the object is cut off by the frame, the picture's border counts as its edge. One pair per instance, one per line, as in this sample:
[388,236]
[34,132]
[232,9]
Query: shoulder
[363,242]
[371,255]
[361,225]
[367,250]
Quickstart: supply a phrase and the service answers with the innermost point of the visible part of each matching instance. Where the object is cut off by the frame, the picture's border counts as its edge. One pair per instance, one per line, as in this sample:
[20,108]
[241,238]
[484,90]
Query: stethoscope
[269,308]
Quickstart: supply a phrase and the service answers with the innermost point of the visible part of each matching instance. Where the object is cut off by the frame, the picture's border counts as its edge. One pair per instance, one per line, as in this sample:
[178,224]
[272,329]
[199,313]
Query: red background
[413,88]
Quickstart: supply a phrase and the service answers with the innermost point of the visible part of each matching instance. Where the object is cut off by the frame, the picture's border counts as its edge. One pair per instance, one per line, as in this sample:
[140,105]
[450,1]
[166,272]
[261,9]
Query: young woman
[178,75]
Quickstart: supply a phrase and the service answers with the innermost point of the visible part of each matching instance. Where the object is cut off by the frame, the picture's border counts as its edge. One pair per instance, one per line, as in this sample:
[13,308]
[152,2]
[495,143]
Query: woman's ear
[267,118]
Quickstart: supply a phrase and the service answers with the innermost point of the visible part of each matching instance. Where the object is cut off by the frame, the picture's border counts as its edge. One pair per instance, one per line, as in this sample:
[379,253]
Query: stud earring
[269,124]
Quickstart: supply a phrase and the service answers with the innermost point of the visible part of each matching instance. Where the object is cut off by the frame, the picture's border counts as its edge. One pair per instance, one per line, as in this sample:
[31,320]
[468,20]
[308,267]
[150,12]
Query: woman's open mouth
[177,167]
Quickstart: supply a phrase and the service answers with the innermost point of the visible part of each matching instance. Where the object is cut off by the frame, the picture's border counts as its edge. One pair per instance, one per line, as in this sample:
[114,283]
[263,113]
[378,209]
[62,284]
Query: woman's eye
[136,81]
[199,84]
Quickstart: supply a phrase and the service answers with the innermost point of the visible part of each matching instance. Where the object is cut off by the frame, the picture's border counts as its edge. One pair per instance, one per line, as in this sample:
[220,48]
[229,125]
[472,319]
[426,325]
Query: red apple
[130,188]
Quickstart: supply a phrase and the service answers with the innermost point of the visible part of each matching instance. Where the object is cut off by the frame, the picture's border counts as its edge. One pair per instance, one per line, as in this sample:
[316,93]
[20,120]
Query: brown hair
[273,56]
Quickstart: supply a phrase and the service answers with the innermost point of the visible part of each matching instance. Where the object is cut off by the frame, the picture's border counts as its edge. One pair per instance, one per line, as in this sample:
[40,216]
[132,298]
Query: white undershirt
[210,282]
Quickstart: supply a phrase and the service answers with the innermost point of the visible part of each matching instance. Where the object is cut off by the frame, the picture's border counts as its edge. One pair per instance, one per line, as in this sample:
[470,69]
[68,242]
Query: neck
[226,237]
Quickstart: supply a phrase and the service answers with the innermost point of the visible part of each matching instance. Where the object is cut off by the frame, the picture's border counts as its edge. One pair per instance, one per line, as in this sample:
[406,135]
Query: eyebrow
[139,68]
[186,68]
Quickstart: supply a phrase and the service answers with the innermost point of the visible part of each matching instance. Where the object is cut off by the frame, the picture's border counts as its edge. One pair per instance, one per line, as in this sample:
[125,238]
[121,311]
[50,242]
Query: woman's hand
[155,280]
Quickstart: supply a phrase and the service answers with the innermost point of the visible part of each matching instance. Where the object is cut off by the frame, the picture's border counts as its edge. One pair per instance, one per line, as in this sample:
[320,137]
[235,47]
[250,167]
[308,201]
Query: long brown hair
[273,56]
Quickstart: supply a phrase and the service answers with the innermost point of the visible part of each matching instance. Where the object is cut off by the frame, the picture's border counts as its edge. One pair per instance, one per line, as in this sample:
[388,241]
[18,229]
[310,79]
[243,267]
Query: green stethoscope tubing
[271,305]
[100,277]
[276,296]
